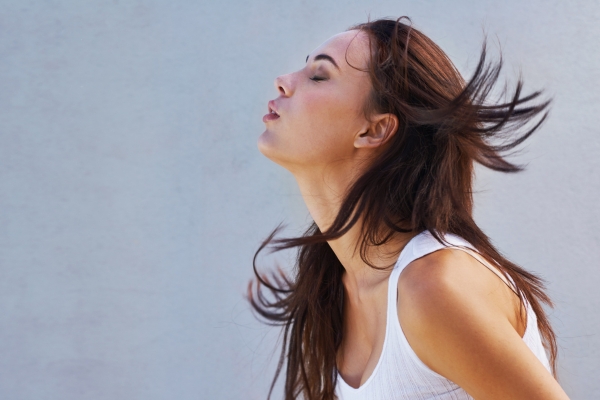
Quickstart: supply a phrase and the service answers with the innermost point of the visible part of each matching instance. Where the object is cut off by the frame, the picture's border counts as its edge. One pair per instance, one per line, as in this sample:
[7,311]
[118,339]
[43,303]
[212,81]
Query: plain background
[132,195]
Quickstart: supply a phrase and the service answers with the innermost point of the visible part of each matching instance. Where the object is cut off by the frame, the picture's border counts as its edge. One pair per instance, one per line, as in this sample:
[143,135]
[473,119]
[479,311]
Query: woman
[397,293]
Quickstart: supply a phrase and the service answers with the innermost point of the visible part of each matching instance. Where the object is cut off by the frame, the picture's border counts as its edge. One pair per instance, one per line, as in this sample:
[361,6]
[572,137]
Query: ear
[377,132]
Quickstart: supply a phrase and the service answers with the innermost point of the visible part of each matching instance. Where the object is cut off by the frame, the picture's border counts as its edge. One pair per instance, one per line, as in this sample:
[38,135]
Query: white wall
[132,196]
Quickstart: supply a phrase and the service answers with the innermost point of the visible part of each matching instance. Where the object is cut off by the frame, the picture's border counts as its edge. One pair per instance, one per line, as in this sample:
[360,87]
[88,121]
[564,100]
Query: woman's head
[384,92]
[321,109]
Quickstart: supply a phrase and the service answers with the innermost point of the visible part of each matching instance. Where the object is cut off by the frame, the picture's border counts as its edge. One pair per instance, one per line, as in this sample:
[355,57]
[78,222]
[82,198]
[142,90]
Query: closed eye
[317,78]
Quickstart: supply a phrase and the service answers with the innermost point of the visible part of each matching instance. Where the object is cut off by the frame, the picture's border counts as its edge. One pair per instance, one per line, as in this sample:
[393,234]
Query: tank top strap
[424,243]
[476,255]
[419,246]
[458,243]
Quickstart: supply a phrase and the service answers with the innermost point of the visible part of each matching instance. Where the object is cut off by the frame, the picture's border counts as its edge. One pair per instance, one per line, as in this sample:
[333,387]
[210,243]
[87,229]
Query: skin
[461,320]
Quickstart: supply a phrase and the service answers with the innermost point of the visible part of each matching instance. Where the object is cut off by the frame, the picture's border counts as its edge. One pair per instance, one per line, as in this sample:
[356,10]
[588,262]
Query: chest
[363,341]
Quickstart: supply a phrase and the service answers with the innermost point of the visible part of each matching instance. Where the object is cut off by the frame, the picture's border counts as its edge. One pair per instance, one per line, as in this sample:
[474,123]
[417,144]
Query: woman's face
[320,107]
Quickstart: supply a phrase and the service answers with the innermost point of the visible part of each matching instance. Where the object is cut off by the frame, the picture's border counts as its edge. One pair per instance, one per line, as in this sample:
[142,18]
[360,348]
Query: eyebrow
[324,57]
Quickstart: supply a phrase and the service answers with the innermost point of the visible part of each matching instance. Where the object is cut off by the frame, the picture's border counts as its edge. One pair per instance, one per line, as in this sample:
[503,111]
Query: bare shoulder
[462,322]
[450,275]
[450,285]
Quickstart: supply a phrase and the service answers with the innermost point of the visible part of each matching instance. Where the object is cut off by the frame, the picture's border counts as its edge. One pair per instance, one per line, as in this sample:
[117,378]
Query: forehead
[350,45]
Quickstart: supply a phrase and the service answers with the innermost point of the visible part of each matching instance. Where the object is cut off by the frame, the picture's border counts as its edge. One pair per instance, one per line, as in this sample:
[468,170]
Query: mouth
[272,115]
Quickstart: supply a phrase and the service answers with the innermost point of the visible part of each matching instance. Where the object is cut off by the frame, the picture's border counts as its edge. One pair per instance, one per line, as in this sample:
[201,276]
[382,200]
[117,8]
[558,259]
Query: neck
[323,194]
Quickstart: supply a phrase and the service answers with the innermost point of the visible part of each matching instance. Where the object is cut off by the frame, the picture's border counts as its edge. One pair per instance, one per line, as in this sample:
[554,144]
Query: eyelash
[317,79]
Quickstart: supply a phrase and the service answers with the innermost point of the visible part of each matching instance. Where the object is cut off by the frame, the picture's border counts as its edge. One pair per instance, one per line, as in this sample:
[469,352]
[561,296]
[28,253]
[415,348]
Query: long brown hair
[421,181]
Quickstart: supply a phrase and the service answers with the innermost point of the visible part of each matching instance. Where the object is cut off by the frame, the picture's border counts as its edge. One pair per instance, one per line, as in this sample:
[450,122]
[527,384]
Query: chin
[264,143]
[267,145]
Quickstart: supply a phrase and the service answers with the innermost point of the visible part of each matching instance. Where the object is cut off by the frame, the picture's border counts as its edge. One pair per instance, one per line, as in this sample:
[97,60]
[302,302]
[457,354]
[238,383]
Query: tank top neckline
[391,297]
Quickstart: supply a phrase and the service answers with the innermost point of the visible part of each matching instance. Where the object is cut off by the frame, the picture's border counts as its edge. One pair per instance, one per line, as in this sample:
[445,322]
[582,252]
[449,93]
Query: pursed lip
[272,115]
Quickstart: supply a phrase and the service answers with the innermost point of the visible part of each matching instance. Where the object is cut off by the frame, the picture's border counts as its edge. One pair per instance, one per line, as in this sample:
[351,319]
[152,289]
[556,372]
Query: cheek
[325,121]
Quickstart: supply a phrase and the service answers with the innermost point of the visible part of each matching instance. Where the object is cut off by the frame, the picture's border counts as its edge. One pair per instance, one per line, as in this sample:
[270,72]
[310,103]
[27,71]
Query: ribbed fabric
[399,373]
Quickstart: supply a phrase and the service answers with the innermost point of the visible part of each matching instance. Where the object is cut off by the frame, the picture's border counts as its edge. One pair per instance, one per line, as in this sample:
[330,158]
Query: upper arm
[455,318]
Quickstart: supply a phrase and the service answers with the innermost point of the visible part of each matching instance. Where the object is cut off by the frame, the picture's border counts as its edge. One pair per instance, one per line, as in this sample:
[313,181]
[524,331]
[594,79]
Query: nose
[283,85]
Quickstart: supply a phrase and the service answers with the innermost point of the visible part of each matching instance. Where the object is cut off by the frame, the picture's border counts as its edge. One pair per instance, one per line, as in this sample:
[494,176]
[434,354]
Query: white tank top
[399,373]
